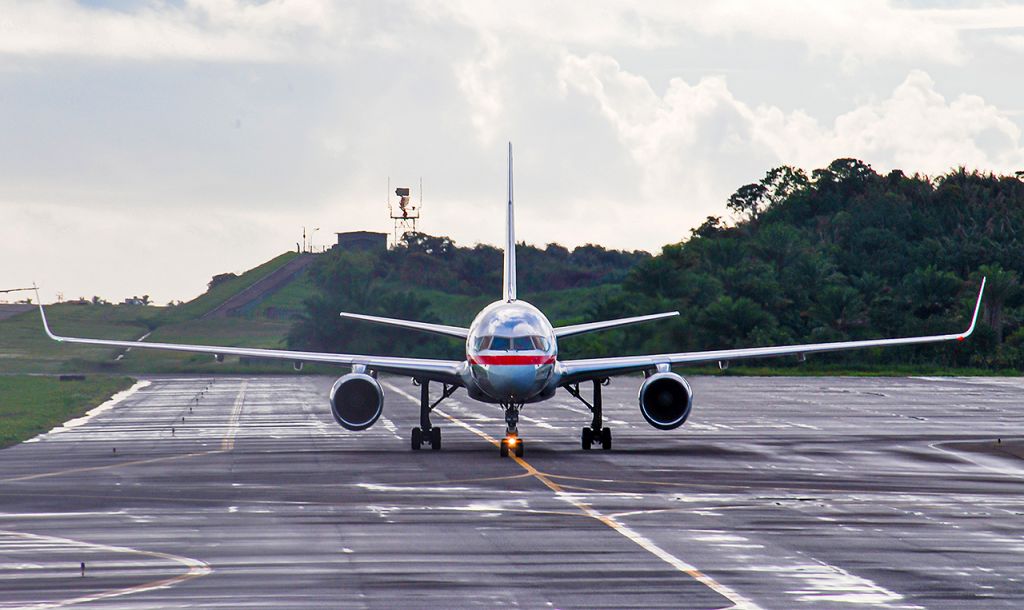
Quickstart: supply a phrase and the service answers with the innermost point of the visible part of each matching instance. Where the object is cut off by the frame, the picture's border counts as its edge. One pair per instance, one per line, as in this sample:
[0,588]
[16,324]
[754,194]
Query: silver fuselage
[511,354]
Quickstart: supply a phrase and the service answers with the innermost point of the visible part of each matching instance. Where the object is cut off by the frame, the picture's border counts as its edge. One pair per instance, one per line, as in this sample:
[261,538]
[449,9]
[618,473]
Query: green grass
[237,332]
[210,299]
[31,405]
[24,348]
[290,298]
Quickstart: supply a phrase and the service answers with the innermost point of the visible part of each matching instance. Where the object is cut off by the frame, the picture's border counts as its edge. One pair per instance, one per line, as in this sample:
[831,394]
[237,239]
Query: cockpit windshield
[511,344]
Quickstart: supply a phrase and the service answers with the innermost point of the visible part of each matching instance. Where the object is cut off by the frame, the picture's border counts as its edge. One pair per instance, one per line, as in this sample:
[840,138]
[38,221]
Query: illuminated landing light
[511,440]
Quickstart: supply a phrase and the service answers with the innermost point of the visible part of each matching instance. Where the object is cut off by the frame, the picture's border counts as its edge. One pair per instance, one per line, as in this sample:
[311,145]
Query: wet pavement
[778,493]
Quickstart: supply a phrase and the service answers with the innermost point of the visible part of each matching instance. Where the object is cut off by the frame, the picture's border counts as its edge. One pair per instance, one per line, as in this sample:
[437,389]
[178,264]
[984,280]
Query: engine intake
[665,400]
[356,401]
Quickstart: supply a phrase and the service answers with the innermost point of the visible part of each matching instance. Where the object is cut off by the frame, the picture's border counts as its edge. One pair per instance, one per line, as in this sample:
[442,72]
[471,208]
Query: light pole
[315,229]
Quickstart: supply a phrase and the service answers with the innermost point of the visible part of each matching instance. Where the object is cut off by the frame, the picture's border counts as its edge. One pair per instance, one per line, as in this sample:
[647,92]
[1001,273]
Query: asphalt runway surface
[778,493]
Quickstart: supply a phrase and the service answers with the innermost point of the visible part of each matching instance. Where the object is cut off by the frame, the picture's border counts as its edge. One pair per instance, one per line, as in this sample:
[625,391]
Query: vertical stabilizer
[509,292]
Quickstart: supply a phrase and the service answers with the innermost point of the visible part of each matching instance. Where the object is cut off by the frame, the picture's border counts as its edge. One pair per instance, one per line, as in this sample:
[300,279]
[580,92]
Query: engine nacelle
[356,401]
[665,400]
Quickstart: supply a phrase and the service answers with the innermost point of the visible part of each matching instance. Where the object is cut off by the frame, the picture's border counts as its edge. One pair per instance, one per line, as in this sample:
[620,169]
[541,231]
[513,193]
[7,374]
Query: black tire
[417,439]
[503,448]
[435,438]
[606,439]
[520,448]
[586,438]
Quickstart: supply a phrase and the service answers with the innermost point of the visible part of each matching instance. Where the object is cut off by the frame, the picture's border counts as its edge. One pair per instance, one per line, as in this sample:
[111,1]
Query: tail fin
[509,292]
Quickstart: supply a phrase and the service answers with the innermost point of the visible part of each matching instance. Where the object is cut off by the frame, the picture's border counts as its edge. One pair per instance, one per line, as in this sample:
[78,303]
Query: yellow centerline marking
[195,567]
[739,602]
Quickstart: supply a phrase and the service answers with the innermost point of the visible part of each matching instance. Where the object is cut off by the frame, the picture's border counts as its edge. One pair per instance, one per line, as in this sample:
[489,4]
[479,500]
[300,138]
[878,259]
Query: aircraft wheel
[503,448]
[606,438]
[435,438]
[587,438]
[520,447]
[417,439]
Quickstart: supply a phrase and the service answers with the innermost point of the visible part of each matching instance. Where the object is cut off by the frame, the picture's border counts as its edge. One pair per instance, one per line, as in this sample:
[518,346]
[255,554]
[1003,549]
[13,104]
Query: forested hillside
[842,253]
[432,279]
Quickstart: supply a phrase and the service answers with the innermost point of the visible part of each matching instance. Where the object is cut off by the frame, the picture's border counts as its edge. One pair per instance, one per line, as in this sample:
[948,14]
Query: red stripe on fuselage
[513,360]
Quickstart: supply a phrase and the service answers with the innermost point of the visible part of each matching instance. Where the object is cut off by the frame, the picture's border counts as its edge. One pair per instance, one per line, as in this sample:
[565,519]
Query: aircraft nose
[513,381]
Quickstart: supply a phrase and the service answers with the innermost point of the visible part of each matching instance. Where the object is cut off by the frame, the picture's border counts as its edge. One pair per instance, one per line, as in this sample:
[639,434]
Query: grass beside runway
[31,405]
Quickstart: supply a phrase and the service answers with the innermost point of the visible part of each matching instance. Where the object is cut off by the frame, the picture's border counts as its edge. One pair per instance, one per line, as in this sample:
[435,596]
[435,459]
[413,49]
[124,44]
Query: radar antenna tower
[403,209]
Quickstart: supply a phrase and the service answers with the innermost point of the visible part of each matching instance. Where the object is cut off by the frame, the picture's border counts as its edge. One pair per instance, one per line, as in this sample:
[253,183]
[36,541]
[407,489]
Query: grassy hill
[25,349]
[265,322]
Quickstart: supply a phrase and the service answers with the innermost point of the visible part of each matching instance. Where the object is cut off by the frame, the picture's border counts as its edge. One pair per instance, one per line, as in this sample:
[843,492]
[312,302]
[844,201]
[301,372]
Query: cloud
[223,30]
[696,143]
[480,83]
[855,31]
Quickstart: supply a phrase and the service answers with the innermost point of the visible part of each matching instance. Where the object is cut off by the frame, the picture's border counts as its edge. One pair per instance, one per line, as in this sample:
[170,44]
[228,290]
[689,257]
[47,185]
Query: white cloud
[1011,42]
[198,29]
[856,31]
[697,143]
[480,83]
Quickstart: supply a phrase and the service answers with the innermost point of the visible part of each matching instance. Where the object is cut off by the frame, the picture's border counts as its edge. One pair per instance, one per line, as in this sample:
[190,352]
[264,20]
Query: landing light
[512,440]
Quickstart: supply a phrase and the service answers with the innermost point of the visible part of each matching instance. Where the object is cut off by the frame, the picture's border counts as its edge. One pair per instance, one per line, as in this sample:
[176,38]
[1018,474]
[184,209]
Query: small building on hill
[363,240]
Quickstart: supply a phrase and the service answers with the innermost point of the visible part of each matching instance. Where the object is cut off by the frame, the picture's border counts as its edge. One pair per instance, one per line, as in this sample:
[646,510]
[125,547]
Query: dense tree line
[842,253]
[846,253]
[403,282]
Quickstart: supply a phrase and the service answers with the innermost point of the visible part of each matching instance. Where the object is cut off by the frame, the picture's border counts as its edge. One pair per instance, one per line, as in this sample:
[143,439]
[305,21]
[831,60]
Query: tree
[1000,286]
[748,201]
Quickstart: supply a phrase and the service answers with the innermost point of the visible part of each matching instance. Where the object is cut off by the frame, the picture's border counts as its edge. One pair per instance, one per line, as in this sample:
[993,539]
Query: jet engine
[665,400]
[356,401]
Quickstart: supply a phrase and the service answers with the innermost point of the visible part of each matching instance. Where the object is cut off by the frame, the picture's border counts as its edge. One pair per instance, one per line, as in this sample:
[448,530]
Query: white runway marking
[13,542]
[229,438]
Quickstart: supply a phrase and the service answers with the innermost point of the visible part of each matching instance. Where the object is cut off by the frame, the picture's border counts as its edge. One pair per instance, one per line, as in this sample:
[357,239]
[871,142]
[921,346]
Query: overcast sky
[148,145]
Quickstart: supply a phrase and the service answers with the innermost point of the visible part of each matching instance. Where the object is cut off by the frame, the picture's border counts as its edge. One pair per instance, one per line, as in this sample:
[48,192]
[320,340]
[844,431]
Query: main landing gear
[594,434]
[512,443]
[426,433]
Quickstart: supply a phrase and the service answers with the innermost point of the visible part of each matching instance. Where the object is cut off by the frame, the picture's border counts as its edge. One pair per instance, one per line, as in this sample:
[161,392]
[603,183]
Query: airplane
[512,360]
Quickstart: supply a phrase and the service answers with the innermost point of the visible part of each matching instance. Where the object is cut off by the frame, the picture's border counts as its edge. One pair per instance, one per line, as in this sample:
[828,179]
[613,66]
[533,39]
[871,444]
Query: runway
[778,493]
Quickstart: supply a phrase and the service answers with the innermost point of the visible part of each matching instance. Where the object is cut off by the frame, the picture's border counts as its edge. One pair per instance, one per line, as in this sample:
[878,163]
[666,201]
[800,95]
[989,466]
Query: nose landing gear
[512,443]
[595,433]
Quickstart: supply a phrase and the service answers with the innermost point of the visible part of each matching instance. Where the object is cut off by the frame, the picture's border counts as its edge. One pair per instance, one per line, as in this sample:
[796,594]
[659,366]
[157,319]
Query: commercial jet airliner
[512,360]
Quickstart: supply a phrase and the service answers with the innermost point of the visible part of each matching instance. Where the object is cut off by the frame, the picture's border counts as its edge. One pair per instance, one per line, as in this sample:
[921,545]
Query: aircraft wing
[447,371]
[440,329]
[574,371]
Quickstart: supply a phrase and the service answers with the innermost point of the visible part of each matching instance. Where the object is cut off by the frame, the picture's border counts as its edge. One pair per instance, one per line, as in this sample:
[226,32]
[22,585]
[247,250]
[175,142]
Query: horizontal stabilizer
[579,329]
[440,329]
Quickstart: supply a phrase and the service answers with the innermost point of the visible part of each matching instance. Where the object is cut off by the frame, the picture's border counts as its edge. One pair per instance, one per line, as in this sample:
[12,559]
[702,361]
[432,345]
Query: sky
[148,145]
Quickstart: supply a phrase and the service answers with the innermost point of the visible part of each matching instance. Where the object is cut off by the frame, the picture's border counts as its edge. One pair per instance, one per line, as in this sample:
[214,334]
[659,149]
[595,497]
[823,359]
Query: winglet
[42,314]
[977,310]
[509,292]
